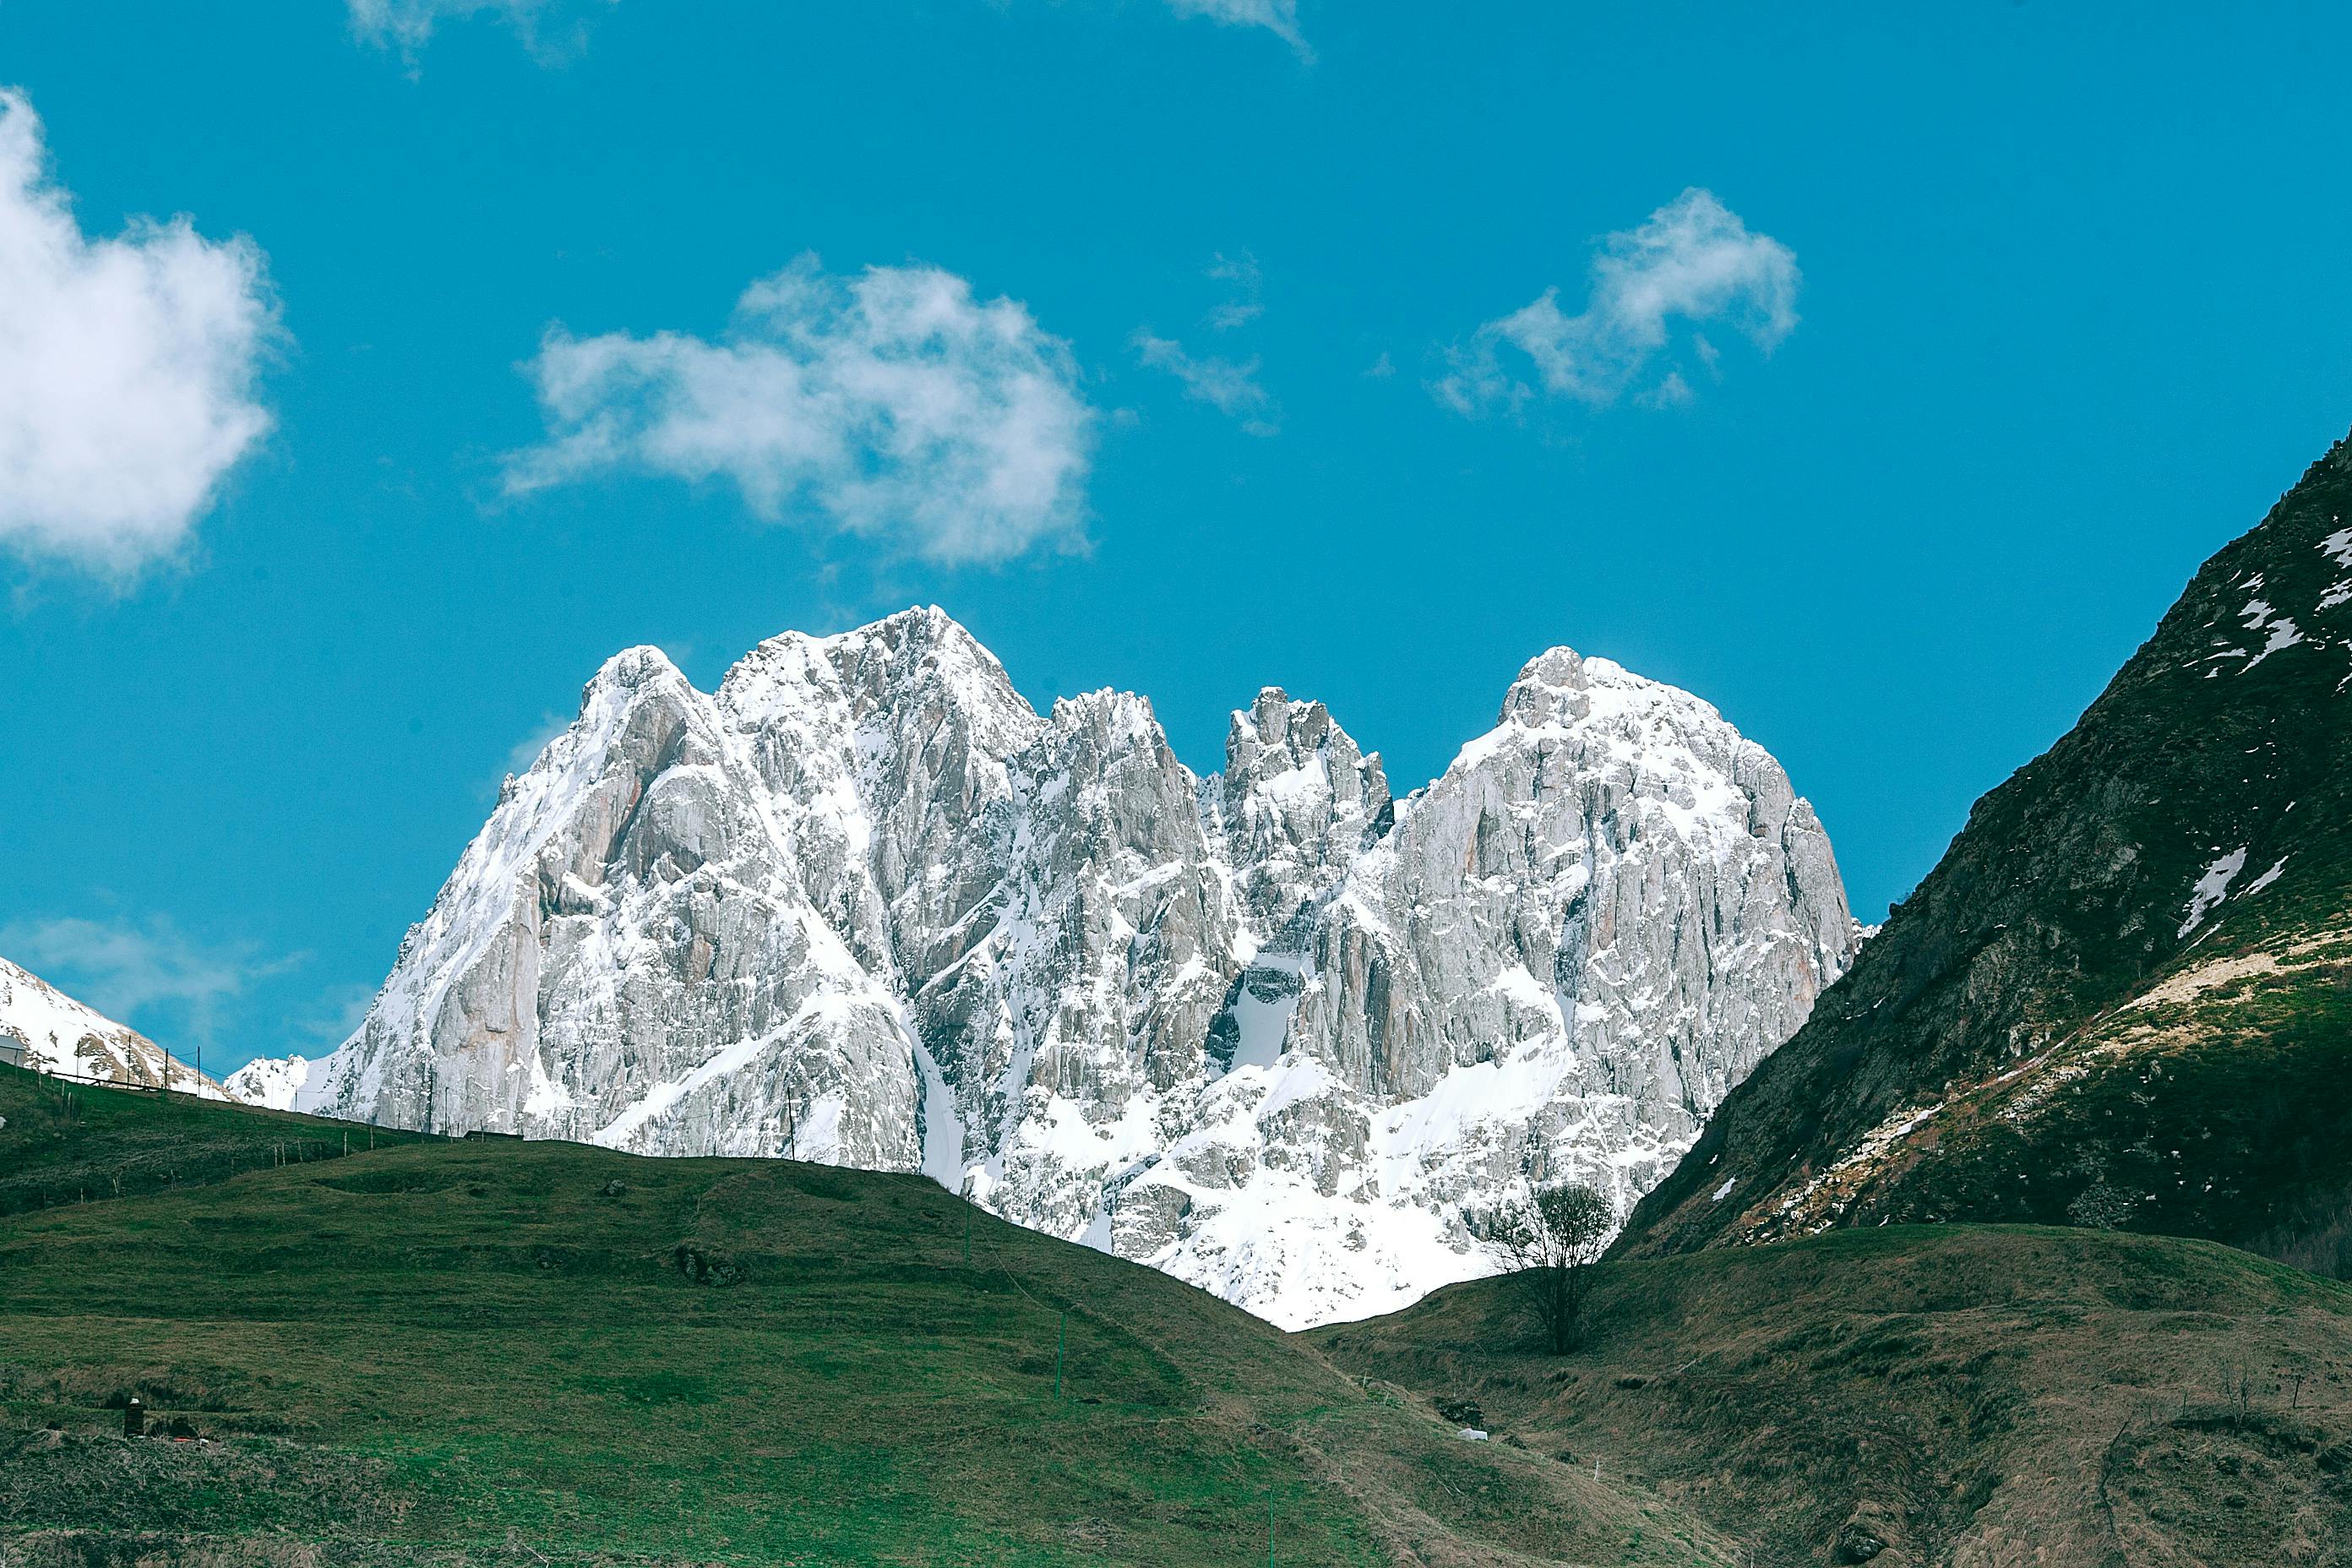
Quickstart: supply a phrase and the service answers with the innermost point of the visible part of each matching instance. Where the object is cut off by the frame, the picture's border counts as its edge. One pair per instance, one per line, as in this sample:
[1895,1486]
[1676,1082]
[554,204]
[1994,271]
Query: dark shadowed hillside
[2121,999]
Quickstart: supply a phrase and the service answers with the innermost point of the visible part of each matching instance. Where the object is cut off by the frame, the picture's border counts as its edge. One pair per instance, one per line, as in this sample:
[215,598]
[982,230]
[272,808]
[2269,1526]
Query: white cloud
[1230,388]
[891,404]
[1279,17]
[549,28]
[1692,260]
[519,756]
[127,369]
[126,971]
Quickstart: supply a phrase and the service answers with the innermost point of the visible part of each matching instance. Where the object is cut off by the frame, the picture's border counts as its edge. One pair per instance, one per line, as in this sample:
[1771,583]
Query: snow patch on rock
[2211,888]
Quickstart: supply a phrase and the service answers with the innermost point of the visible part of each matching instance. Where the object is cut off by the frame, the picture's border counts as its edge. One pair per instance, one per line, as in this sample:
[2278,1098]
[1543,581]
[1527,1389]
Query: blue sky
[1898,369]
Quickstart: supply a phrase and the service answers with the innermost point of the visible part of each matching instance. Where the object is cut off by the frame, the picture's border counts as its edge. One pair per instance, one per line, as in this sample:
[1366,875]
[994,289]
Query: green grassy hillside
[519,1354]
[1932,1395]
[498,1352]
[63,1142]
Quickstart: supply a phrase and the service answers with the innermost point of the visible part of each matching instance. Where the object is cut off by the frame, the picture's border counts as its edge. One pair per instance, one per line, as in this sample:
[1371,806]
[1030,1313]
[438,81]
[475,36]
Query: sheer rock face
[1272,1030]
[627,954]
[1294,806]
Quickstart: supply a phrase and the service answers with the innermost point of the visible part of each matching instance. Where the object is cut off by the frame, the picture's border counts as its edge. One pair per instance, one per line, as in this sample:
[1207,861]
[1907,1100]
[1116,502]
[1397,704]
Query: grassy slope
[1965,1395]
[66,1143]
[471,1351]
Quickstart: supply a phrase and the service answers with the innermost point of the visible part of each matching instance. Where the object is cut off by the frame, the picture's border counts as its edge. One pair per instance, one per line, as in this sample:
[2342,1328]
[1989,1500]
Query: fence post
[1061,1343]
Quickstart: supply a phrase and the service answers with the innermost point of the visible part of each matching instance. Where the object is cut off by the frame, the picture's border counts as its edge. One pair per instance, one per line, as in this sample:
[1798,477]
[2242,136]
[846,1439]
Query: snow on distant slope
[1272,1031]
[272,1083]
[56,1034]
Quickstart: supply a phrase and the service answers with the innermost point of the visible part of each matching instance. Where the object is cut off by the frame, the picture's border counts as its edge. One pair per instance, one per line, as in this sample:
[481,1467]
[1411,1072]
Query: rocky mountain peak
[920,663]
[1112,720]
[1276,736]
[864,905]
[1297,802]
[923,648]
[1550,689]
[631,669]
[1562,691]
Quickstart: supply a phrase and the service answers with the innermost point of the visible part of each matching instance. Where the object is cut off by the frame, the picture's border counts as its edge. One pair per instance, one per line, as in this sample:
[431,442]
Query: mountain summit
[2121,998]
[1274,1031]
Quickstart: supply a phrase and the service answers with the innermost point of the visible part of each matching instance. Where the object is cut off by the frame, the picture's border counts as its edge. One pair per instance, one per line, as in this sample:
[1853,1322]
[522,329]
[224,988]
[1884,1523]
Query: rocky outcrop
[1272,1030]
[1297,804]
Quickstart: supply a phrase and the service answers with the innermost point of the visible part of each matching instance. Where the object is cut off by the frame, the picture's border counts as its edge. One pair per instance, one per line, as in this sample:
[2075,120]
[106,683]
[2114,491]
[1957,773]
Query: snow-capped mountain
[43,1029]
[1274,1031]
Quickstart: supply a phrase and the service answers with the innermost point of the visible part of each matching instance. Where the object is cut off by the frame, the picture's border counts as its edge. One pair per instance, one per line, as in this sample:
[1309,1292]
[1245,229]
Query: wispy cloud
[1245,304]
[128,370]
[335,1016]
[553,29]
[1279,17]
[1692,260]
[525,751]
[1230,388]
[891,405]
[151,975]
[550,29]
[1228,385]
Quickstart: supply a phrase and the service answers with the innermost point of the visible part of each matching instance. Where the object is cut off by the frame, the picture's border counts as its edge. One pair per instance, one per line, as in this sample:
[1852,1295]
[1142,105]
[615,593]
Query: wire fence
[133,1085]
[198,1086]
